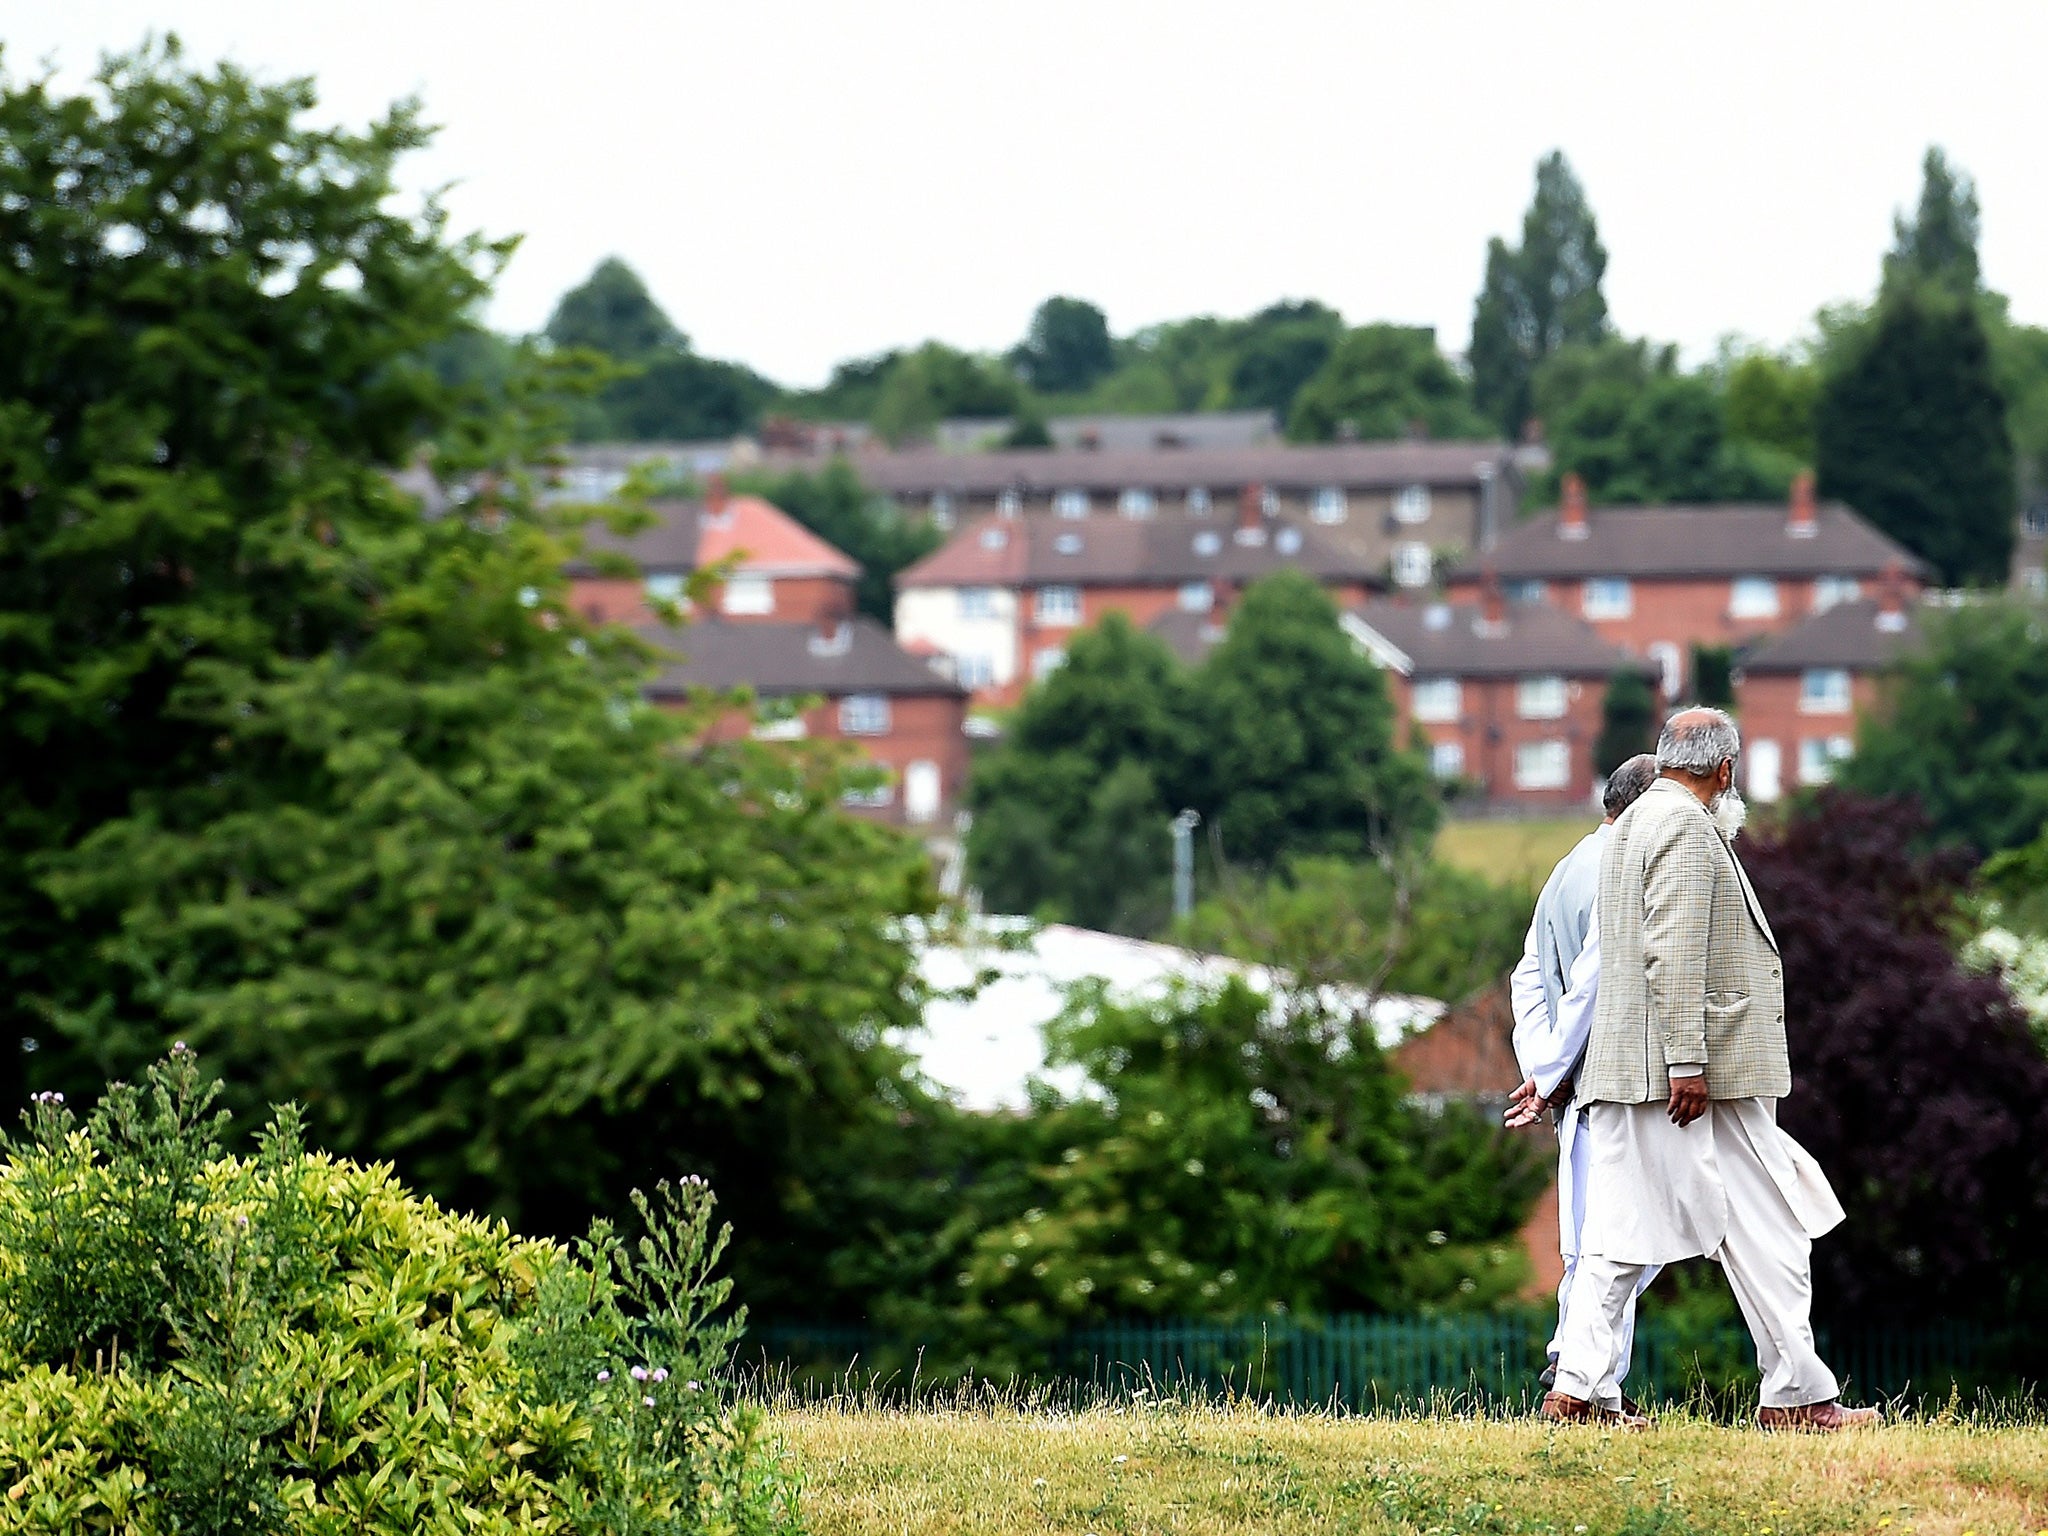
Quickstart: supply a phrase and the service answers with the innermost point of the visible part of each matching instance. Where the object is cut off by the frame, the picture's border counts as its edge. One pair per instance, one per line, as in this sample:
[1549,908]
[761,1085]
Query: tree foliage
[1537,296]
[1384,381]
[1067,348]
[1915,1081]
[1278,350]
[1937,247]
[925,387]
[1963,727]
[1628,720]
[346,792]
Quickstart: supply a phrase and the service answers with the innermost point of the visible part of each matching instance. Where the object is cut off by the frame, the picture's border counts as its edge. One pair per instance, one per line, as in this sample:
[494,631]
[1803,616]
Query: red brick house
[1508,696]
[1798,696]
[780,571]
[1659,580]
[1002,597]
[866,689]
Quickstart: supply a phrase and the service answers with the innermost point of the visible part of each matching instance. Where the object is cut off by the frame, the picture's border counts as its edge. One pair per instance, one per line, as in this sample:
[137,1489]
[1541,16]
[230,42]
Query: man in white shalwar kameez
[1553,1018]
[1684,1070]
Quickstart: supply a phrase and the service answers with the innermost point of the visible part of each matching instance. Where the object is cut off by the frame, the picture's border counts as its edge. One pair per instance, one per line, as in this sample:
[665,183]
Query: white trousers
[1575,1160]
[1768,1259]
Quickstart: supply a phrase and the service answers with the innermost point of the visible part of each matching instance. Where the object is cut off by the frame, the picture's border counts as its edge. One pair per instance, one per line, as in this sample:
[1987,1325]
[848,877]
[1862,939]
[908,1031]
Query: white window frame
[1196,597]
[1070,503]
[1528,590]
[1438,700]
[1447,759]
[977,603]
[1606,597]
[865,714]
[973,670]
[1198,501]
[1411,504]
[879,798]
[747,594]
[1136,501]
[1208,542]
[1329,504]
[1826,691]
[1553,770]
[1831,591]
[1009,501]
[1056,605]
[1414,565]
[665,587]
[1544,697]
[1747,598]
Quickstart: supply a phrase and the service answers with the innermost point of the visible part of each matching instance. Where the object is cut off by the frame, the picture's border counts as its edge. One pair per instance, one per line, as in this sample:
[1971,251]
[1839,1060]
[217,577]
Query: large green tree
[1384,381]
[1279,349]
[1911,431]
[922,388]
[1964,728]
[343,792]
[1938,245]
[1067,348]
[1301,750]
[1537,296]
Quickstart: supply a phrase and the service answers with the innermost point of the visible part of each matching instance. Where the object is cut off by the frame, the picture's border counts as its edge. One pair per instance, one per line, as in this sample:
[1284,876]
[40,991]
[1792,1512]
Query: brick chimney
[1493,606]
[1251,515]
[1802,523]
[716,495]
[1891,598]
[1571,514]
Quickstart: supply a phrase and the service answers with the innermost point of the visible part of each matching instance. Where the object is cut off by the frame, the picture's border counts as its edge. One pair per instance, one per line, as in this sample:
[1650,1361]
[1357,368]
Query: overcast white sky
[803,182]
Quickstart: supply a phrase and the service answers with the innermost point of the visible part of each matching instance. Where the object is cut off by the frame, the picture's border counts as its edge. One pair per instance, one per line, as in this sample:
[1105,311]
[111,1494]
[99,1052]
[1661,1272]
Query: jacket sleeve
[1574,1017]
[1678,892]
[1531,1007]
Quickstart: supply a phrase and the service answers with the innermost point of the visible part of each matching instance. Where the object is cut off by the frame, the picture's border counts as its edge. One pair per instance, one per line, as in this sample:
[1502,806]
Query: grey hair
[1626,784]
[1699,746]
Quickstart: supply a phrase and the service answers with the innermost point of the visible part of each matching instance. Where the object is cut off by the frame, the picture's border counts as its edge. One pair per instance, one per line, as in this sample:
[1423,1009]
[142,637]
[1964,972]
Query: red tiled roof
[687,535]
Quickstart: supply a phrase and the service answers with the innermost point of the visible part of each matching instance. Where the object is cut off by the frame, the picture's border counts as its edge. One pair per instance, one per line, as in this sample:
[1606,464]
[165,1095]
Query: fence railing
[1363,1362]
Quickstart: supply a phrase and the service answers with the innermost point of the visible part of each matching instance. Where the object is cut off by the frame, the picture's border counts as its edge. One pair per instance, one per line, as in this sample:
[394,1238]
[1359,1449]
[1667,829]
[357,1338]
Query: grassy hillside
[1146,1470]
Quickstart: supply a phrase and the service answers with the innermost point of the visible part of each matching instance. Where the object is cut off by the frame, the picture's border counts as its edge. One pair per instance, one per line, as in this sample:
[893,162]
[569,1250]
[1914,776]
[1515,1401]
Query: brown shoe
[1819,1418]
[1563,1408]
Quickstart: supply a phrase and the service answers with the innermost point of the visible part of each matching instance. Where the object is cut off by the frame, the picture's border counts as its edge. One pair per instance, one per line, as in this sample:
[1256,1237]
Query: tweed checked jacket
[1689,967]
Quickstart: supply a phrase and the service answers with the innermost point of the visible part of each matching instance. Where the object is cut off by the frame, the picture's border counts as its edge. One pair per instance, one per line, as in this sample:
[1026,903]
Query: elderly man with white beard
[1684,1069]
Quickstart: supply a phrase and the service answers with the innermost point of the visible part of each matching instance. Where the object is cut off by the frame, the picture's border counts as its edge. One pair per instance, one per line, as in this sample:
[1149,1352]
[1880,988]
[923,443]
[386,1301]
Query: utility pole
[1184,863]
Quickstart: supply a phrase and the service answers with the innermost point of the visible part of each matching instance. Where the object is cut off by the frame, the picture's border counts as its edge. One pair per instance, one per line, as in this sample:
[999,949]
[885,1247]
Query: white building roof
[986,1049]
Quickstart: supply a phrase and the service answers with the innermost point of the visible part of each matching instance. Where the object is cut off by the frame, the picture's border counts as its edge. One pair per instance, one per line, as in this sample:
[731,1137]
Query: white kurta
[1658,1193]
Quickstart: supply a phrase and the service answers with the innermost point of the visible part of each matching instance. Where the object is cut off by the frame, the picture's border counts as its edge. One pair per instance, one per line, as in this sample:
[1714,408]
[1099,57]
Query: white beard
[1730,812]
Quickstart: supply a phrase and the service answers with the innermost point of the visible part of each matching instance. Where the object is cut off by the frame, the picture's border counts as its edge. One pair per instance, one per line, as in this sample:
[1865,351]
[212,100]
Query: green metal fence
[1367,1362]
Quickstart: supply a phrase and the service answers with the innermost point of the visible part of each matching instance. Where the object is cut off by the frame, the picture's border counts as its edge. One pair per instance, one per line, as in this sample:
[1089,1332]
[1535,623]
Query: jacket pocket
[1727,1019]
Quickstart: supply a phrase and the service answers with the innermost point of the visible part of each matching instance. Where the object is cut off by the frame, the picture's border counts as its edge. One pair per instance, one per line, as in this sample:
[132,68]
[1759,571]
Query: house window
[1067,544]
[665,588]
[1198,501]
[1540,698]
[2035,519]
[942,508]
[1196,597]
[1135,502]
[879,797]
[1010,502]
[1447,759]
[1830,590]
[1543,765]
[995,538]
[1438,700]
[1524,591]
[1328,505]
[864,714]
[1070,503]
[974,671]
[1607,597]
[1818,756]
[1269,502]
[1753,597]
[977,602]
[1670,664]
[1824,691]
[788,727]
[1765,770]
[1413,565]
[1208,541]
[1411,504]
[1047,662]
[748,594]
[1057,605]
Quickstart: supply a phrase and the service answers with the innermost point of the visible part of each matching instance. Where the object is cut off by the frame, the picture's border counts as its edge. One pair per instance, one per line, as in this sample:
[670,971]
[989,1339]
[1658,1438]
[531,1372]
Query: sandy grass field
[1511,852]
[1137,1470]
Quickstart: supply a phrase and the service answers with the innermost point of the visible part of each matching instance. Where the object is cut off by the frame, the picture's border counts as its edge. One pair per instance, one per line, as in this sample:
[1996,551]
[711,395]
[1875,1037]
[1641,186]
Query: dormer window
[1068,543]
[1288,541]
[995,538]
[1208,542]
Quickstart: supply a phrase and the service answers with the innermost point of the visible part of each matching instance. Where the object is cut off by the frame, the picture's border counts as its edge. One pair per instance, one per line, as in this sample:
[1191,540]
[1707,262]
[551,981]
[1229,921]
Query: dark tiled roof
[685,535]
[1846,635]
[922,472]
[1106,549]
[1452,640]
[783,659]
[1735,540]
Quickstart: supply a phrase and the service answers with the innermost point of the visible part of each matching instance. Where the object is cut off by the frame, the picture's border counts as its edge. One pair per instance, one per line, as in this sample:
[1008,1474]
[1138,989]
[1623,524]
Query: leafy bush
[191,1342]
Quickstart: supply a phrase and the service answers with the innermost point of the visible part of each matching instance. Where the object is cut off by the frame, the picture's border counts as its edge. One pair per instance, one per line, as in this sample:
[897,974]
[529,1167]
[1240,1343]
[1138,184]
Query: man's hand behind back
[1688,1099]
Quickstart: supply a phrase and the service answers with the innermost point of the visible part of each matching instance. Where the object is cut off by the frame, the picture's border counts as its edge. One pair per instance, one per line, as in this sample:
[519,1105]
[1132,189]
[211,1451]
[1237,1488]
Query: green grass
[1515,853]
[1144,1469]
